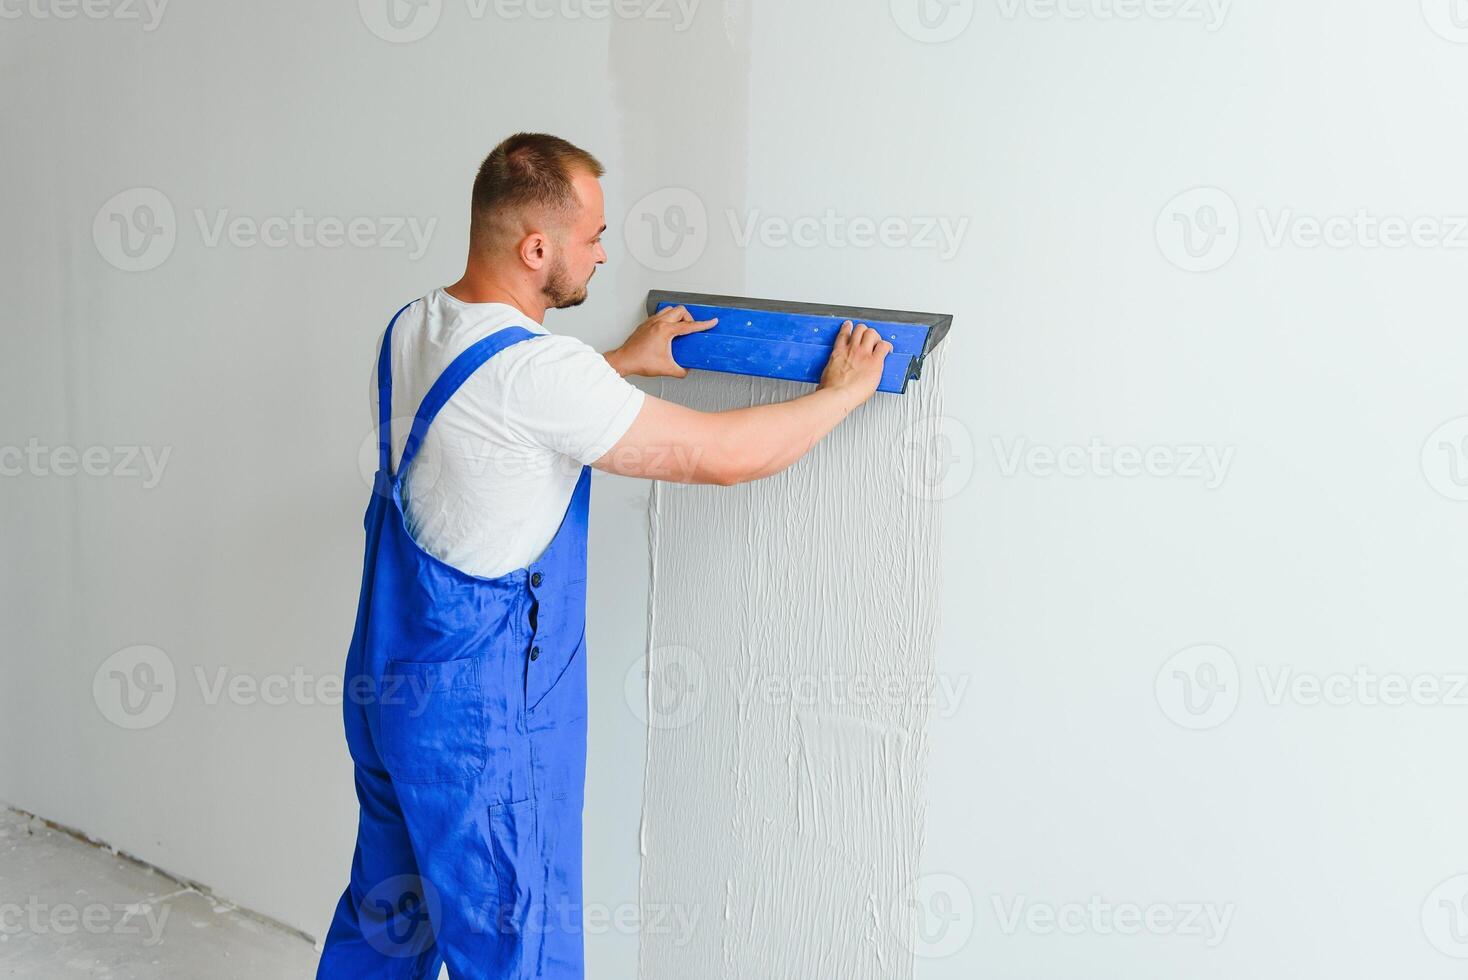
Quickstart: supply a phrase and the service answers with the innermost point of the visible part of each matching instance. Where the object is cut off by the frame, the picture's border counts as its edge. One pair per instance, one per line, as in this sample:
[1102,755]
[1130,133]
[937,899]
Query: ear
[534,250]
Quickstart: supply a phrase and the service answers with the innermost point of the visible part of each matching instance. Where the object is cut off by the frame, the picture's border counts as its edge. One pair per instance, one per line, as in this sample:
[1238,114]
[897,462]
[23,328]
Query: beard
[560,292]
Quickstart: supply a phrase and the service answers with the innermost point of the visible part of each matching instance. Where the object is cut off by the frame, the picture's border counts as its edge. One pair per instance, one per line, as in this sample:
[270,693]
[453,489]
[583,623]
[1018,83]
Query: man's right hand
[855,367]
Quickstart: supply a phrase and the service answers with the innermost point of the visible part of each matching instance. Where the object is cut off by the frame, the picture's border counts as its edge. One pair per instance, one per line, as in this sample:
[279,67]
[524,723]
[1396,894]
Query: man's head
[538,213]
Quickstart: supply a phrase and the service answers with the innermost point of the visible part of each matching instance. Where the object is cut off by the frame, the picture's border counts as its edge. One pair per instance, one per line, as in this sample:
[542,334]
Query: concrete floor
[69,909]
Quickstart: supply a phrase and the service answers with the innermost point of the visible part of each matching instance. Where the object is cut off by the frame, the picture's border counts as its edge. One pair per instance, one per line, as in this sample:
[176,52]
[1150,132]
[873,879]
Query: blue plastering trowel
[776,339]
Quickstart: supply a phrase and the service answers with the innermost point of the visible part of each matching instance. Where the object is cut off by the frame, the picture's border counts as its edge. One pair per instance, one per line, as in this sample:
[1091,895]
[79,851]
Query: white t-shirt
[495,473]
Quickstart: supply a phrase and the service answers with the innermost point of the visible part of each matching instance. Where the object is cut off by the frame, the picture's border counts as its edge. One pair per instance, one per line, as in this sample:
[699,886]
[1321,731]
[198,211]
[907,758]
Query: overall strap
[384,396]
[448,383]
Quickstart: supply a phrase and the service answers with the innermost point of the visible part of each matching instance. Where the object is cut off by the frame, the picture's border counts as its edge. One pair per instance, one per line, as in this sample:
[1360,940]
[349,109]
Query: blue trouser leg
[382,927]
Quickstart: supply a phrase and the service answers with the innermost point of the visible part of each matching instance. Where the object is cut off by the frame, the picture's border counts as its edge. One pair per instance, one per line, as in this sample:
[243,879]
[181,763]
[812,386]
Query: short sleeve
[564,396]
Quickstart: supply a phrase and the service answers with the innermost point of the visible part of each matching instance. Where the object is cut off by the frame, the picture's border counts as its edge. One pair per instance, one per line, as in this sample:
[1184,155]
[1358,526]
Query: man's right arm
[681,445]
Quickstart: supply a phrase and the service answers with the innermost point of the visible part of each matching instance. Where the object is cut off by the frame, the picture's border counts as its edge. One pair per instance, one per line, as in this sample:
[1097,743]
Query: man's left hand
[649,351]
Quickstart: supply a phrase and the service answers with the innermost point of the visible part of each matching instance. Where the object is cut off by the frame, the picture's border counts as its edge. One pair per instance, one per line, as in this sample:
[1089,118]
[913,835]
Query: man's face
[579,250]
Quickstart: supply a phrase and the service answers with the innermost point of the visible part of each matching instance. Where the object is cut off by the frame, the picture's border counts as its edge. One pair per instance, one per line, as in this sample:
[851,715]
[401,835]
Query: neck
[482,283]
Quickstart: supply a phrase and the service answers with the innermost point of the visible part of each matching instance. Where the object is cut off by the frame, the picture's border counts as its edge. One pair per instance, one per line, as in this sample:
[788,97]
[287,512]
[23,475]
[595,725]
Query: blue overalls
[465,707]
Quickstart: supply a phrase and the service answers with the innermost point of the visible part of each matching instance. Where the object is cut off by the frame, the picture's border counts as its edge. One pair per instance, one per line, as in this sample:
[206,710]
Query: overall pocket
[554,670]
[432,720]
[519,871]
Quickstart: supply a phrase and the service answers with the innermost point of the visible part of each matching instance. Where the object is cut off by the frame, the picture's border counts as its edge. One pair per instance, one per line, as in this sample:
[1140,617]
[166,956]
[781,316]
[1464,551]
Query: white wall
[252,367]
[1059,775]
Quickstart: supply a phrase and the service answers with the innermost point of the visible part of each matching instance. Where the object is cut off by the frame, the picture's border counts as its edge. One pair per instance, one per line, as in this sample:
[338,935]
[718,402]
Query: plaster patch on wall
[791,637]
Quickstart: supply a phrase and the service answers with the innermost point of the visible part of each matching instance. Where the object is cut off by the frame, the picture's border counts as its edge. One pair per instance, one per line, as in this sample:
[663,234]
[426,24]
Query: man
[466,676]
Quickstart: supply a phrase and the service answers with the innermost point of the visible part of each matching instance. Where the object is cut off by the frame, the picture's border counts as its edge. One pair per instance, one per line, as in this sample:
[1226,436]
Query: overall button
[535,653]
[536,579]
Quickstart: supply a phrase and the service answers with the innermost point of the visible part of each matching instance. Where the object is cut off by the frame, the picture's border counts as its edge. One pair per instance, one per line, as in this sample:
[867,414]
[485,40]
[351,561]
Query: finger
[694,326]
[668,313]
[843,336]
[863,337]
